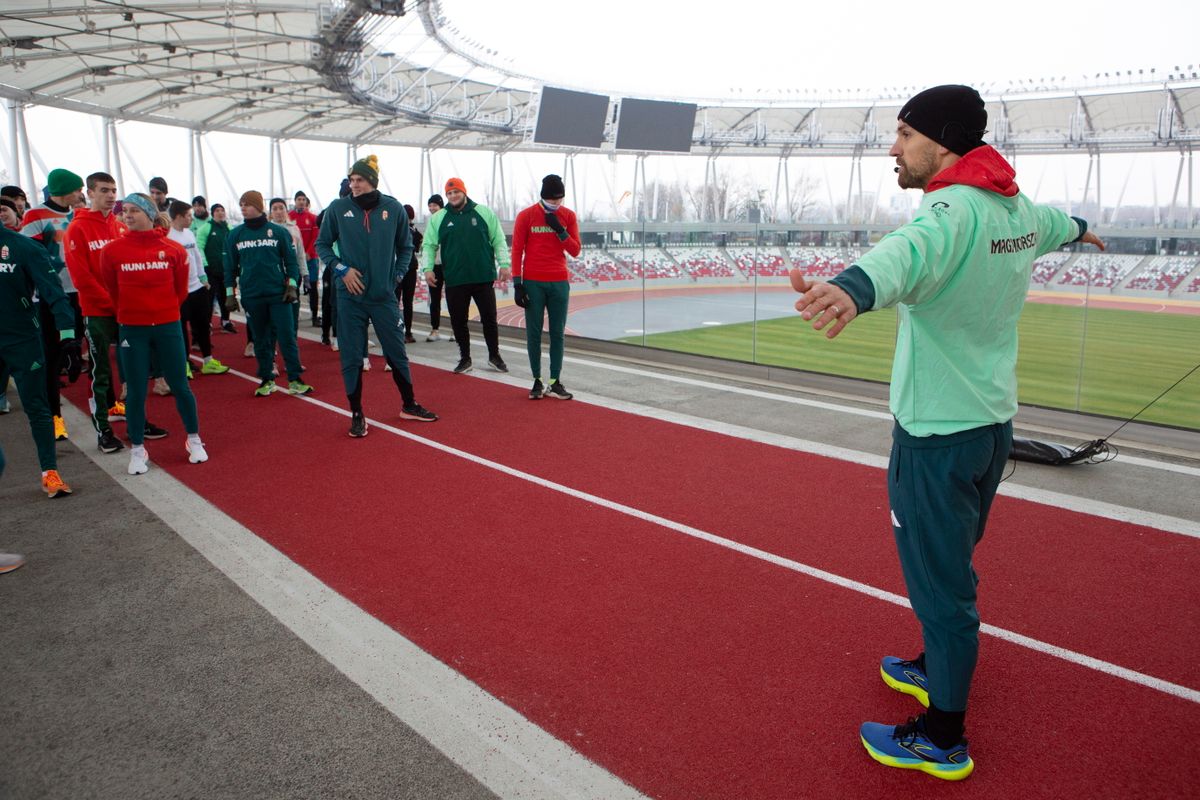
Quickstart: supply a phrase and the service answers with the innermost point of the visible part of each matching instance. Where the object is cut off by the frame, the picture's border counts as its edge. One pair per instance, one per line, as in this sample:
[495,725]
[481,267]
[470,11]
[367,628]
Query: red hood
[983,168]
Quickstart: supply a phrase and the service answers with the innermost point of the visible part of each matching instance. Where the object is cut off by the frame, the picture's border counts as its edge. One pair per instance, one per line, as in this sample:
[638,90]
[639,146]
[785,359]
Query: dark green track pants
[101,336]
[139,344]
[26,363]
[552,297]
[941,489]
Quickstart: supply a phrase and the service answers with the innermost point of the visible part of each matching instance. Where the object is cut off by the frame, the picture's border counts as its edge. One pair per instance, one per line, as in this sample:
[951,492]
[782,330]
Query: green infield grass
[1098,361]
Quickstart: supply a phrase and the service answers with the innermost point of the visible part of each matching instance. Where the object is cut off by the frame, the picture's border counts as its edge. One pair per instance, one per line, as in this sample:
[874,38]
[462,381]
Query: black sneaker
[410,339]
[537,391]
[464,366]
[358,425]
[228,327]
[325,340]
[316,322]
[558,391]
[498,362]
[109,443]
[416,412]
[154,432]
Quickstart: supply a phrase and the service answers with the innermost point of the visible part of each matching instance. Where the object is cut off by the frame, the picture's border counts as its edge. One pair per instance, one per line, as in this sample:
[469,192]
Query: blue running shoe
[906,677]
[908,747]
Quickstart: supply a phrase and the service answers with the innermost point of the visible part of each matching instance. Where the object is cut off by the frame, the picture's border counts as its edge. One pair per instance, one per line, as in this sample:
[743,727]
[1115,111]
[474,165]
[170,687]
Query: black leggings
[405,290]
[458,300]
[216,285]
[435,297]
[328,304]
[196,313]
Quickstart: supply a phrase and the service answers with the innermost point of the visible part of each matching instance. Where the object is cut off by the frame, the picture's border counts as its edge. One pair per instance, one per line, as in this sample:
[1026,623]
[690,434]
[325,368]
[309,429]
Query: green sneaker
[189,371]
[299,387]
[213,367]
[265,388]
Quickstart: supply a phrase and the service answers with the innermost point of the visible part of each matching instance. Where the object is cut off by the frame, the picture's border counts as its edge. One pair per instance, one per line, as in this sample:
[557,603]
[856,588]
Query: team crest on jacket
[270,233]
[385,216]
[474,222]
[162,253]
[4,252]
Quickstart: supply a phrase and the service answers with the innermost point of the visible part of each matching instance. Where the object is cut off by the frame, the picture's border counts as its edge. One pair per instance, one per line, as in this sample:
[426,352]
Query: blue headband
[143,204]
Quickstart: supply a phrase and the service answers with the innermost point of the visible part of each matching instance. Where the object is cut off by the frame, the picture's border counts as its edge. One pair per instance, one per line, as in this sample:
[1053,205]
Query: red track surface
[685,668]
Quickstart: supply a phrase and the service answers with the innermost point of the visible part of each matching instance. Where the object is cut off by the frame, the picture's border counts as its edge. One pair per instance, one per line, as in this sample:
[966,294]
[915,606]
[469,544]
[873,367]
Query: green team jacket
[264,258]
[472,244]
[211,241]
[24,266]
[376,242]
[959,273]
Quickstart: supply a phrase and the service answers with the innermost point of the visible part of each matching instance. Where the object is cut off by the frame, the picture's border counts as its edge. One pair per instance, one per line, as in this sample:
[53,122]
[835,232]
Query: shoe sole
[309,390]
[141,471]
[111,450]
[57,494]
[905,688]
[362,435]
[559,397]
[463,371]
[498,369]
[946,772]
[153,436]
[415,418]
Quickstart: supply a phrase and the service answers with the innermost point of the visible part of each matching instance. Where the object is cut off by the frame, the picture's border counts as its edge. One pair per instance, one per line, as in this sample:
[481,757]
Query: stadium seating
[701,262]
[766,261]
[1098,270]
[1046,266]
[1194,286]
[651,262]
[594,266]
[822,262]
[1163,273]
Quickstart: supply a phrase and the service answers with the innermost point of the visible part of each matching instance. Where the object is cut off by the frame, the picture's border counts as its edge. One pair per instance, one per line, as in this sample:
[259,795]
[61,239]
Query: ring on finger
[836,311]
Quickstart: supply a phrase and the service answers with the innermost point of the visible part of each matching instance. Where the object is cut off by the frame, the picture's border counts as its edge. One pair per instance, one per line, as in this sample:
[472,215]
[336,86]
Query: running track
[685,668]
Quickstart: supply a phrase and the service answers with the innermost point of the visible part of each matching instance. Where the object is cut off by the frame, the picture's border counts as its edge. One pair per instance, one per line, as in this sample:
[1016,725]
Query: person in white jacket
[196,312]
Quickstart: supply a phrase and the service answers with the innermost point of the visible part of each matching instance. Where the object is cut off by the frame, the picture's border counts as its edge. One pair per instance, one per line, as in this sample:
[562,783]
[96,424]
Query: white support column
[14,148]
[283,188]
[191,164]
[32,190]
[421,207]
[200,164]
[114,141]
[271,173]
[310,189]
[105,139]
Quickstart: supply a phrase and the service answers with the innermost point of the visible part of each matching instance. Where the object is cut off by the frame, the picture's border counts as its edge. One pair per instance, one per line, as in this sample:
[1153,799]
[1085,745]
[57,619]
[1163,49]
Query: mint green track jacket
[472,243]
[959,273]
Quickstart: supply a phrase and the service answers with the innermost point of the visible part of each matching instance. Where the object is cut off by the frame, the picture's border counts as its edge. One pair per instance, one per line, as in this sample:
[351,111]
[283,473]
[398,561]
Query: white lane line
[506,752]
[1082,505]
[796,566]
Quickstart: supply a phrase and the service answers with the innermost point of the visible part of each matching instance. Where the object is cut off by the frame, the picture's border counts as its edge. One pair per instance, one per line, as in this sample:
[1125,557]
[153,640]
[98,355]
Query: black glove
[72,359]
[231,303]
[290,294]
[520,296]
[556,225]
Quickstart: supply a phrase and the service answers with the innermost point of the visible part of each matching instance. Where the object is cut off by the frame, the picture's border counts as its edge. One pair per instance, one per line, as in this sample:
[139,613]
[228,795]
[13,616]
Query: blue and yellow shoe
[907,746]
[906,677]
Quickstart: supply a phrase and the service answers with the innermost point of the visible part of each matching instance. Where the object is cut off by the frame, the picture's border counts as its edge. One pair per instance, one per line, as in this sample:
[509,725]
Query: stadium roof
[304,69]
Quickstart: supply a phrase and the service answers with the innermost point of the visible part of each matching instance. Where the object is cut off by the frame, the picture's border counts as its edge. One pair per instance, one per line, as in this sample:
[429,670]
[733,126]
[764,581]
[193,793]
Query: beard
[916,175]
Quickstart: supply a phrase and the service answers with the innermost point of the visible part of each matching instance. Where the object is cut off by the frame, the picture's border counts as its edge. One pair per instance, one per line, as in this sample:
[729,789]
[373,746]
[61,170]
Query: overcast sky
[692,49]
[707,49]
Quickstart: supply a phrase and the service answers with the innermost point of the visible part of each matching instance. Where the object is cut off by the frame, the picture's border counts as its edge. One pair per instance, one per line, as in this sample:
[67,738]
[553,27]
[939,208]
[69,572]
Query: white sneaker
[366,365]
[387,367]
[433,336]
[249,351]
[139,461]
[195,451]
[335,344]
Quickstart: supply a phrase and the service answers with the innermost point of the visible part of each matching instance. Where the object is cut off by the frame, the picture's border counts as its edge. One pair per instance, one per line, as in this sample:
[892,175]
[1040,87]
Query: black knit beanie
[953,116]
[436,198]
[553,188]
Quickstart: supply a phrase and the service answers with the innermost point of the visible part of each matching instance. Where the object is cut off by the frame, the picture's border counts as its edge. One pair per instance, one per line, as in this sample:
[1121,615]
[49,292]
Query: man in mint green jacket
[958,273]
[373,251]
[472,244]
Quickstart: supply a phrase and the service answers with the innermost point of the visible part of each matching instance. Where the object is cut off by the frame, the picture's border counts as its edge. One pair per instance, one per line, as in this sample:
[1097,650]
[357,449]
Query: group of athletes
[139,279]
[958,273]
